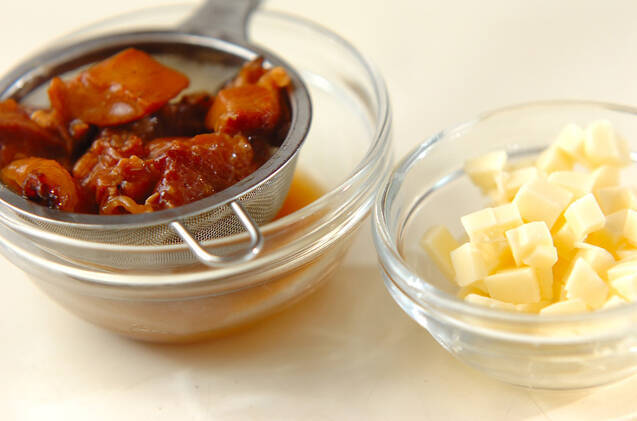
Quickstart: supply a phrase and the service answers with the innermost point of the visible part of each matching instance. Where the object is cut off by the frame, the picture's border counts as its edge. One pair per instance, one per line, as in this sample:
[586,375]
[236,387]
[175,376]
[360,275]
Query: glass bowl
[429,188]
[346,153]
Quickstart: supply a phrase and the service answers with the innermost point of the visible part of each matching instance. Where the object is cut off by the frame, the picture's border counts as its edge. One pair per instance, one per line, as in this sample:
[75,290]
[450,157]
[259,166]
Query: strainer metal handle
[214,260]
[226,20]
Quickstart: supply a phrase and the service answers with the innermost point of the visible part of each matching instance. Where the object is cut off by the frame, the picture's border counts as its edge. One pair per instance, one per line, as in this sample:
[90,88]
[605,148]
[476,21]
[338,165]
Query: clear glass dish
[346,153]
[429,188]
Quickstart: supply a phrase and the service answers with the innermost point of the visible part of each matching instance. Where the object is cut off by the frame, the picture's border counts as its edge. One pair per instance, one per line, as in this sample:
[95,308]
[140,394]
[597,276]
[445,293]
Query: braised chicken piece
[44,181]
[113,166]
[120,145]
[118,90]
[194,168]
[252,104]
[21,137]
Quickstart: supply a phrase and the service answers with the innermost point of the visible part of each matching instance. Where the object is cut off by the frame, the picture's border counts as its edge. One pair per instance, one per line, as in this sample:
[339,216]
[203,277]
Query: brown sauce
[303,191]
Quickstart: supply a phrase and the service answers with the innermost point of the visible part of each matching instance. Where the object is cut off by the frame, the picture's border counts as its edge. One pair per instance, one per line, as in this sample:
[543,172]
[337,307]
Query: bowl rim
[362,172]
[420,290]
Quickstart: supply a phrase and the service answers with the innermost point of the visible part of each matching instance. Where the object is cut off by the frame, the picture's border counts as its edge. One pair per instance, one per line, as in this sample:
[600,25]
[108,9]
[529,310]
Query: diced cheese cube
[606,176]
[614,301]
[483,169]
[496,197]
[599,259]
[545,281]
[541,257]
[622,269]
[489,302]
[496,254]
[564,238]
[509,182]
[611,235]
[531,307]
[565,307]
[516,286]
[468,264]
[578,183]
[480,225]
[615,198]
[507,217]
[571,141]
[539,200]
[490,224]
[439,243]
[584,283]
[626,286]
[523,240]
[584,216]
[630,227]
[626,252]
[478,287]
[603,146]
[553,159]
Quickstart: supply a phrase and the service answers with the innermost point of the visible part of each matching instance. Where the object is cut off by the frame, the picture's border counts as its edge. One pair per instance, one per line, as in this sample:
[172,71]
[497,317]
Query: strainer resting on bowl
[213,43]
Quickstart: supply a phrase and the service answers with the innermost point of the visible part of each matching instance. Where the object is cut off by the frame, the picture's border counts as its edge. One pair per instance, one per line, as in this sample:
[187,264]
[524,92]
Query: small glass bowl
[429,188]
[346,153]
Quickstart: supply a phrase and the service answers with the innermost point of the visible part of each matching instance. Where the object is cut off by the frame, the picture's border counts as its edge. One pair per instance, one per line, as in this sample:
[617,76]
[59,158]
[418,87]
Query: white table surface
[347,352]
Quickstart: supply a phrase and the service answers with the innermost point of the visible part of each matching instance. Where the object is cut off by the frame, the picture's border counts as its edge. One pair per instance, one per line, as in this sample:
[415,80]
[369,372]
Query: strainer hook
[207,258]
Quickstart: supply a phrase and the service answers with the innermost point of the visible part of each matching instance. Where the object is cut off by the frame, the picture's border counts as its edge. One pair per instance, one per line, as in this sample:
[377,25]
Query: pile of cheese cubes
[561,236]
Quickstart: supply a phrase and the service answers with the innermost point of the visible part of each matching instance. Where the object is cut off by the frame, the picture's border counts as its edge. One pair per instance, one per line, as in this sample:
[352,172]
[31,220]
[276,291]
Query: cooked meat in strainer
[116,140]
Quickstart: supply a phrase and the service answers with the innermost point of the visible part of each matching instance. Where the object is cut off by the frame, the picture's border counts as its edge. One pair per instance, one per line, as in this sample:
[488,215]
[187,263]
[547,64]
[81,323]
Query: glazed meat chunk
[194,168]
[21,137]
[118,90]
[43,181]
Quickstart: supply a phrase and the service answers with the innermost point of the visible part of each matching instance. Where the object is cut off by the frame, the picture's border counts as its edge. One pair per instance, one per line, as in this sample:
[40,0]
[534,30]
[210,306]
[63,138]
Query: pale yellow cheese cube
[545,281]
[507,216]
[571,141]
[496,254]
[564,238]
[553,159]
[626,252]
[468,264]
[523,240]
[584,216]
[612,234]
[603,146]
[615,198]
[480,225]
[541,257]
[482,170]
[614,301]
[630,227]
[565,307]
[439,243]
[539,200]
[489,302]
[622,269]
[516,286]
[578,183]
[606,176]
[478,287]
[531,307]
[497,198]
[509,182]
[584,283]
[626,286]
[489,224]
[599,259]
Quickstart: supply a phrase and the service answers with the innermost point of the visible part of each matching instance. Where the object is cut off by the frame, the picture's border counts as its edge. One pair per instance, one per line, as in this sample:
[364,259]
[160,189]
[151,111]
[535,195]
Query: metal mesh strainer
[215,34]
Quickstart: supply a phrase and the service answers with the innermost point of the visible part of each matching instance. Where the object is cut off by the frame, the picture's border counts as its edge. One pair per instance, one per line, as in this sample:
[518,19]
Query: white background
[347,352]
